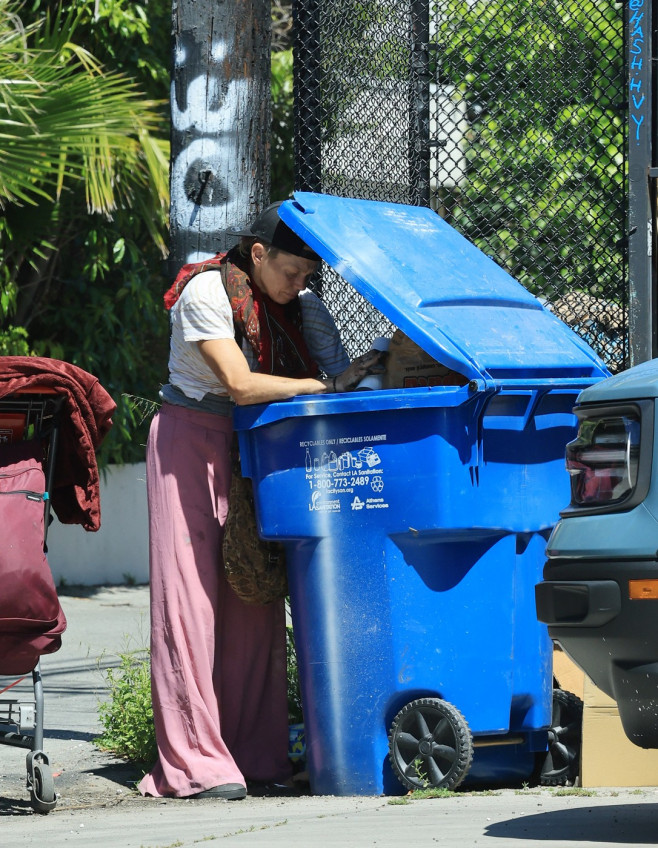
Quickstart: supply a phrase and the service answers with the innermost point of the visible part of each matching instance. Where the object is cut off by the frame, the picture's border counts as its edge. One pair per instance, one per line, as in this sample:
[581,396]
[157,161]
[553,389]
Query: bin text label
[344,473]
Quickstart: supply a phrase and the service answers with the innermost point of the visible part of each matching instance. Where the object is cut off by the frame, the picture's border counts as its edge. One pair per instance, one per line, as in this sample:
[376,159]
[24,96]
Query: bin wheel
[430,744]
[42,788]
[562,760]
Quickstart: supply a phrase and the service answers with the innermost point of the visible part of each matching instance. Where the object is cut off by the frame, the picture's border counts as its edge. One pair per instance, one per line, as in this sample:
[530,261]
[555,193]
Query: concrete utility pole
[220,122]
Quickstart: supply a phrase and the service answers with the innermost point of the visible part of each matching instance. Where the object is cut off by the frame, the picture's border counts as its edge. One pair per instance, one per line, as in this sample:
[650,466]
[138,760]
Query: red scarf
[273,331]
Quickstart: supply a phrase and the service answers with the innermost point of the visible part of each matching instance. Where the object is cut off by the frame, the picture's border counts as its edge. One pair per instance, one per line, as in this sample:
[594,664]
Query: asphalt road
[98,806]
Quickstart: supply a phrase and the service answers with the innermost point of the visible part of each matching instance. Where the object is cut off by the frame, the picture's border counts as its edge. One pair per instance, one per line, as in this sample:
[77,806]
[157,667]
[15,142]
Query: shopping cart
[31,617]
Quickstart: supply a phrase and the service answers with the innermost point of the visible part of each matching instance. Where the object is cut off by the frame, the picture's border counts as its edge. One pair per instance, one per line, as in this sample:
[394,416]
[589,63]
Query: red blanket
[86,420]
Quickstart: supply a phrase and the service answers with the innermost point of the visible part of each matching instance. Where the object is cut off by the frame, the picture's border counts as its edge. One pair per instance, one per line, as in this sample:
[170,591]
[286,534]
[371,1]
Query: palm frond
[63,118]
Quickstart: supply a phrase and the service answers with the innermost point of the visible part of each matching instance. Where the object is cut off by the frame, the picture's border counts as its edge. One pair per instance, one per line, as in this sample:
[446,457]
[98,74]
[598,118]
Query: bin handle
[569,384]
[480,408]
[519,422]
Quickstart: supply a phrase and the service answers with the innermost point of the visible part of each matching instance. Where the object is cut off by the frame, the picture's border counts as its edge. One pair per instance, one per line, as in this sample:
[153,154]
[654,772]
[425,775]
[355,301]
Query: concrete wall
[118,552]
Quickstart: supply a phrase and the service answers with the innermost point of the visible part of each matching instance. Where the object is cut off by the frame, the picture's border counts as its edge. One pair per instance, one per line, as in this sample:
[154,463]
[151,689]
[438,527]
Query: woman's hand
[369,363]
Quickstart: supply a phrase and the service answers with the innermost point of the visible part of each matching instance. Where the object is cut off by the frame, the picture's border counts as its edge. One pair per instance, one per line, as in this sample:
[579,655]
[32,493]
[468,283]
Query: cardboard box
[569,676]
[608,757]
[408,366]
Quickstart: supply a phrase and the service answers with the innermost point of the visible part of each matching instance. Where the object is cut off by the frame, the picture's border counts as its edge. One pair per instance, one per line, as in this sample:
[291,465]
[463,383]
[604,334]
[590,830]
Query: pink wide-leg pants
[218,666]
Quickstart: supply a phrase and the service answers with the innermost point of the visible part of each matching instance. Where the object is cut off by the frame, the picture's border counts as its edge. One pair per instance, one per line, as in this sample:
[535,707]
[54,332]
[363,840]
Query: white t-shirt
[203,312]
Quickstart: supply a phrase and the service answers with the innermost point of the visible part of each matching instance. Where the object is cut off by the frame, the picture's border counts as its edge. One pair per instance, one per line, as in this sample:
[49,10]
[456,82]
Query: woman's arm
[228,363]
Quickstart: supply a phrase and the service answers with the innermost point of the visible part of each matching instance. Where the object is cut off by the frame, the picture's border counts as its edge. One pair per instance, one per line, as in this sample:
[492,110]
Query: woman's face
[282,276]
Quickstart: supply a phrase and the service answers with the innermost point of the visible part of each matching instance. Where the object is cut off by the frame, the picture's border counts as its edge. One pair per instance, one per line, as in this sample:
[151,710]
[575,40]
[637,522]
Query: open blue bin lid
[438,288]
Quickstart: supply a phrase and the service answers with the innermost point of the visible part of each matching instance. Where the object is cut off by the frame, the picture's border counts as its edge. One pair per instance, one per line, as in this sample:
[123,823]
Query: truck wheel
[562,761]
[430,744]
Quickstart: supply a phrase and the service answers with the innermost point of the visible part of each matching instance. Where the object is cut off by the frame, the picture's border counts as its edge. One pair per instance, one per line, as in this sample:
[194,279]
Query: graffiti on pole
[637,49]
[205,118]
[220,112]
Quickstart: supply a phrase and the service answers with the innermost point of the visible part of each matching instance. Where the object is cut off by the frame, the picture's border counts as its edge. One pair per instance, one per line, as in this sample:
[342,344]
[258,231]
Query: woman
[243,330]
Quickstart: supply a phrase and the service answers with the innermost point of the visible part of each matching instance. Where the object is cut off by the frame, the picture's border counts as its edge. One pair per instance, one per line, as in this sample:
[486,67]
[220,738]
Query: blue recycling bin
[415,520]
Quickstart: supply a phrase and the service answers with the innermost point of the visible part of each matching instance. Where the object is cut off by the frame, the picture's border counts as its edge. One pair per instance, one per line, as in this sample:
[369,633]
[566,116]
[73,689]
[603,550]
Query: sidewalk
[101,623]
[97,804]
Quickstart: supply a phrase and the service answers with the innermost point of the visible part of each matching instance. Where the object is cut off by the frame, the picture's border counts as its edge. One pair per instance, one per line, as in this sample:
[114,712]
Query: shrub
[127,718]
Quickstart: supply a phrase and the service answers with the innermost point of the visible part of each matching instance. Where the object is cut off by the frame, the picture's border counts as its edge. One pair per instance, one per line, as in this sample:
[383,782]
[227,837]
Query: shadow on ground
[635,824]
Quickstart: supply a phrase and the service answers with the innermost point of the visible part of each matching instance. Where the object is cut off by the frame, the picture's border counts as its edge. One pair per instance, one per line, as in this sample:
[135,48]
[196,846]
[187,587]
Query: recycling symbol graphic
[377,484]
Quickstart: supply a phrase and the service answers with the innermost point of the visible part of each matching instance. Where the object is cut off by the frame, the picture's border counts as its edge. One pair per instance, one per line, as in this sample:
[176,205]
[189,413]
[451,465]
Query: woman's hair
[247,242]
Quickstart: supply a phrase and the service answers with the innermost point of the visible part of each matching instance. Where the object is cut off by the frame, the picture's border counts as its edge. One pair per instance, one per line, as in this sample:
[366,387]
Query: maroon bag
[31,617]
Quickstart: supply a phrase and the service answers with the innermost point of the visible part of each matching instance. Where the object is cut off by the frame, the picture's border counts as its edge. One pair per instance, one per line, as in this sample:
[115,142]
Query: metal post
[220,122]
[641,223]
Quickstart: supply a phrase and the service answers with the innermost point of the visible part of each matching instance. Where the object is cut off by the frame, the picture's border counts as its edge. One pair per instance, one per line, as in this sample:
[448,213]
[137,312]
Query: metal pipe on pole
[220,123]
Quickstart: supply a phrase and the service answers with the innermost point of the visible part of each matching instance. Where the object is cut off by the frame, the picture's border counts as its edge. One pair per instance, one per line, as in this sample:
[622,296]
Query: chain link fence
[507,117]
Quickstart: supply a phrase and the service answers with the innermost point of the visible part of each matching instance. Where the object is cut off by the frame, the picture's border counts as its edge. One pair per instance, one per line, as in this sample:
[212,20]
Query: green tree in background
[281,147]
[283,170]
[84,190]
[84,196]
[543,81]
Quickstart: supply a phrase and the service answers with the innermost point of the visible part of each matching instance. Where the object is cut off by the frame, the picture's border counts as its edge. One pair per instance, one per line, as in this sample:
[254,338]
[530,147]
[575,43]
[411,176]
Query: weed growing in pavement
[526,789]
[432,792]
[176,844]
[419,768]
[127,718]
[440,792]
[424,794]
[295,712]
[256,827]
[574,790]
